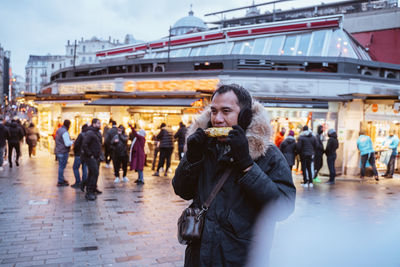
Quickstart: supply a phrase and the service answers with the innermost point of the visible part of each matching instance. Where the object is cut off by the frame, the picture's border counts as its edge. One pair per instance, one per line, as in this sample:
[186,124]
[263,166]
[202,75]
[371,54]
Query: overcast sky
[40,27]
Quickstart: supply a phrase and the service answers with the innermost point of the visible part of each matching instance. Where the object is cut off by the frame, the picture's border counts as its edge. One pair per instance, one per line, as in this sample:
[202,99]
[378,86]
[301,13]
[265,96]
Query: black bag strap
[216,189]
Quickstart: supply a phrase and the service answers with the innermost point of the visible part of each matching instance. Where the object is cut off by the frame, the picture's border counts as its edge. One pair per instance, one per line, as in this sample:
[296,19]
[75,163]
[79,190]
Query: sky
[41,27]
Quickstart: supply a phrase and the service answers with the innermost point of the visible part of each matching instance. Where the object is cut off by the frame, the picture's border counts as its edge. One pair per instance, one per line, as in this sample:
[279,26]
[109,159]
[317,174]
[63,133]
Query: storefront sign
[80,88]
[171,85]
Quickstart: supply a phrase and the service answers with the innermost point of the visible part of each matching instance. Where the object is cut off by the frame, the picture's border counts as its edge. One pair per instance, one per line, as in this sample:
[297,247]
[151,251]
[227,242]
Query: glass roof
[333,42]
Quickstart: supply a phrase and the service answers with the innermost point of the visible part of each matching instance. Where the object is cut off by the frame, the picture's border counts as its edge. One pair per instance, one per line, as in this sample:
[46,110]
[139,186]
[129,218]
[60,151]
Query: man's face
[97,124]
[224,110]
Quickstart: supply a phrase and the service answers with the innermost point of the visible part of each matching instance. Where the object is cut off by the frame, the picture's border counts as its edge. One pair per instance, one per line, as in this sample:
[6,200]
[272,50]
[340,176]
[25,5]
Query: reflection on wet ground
[347,224]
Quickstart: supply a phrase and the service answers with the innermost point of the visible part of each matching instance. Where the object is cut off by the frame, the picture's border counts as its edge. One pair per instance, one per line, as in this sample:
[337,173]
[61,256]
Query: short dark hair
[242,94]
[95,120]
[67,123]
[113,123]
[305,128]
[163,125]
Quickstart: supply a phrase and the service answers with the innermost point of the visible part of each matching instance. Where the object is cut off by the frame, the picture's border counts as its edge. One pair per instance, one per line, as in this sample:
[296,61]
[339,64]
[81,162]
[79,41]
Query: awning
[164,102]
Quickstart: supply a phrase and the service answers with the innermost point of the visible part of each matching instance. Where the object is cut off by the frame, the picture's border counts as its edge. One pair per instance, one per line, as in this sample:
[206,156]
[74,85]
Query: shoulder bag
[191,222]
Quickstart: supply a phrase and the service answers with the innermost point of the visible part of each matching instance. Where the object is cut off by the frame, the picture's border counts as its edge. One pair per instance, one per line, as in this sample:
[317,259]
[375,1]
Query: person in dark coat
[92,155]
[181,136]
[319,152]
[288,149]
[78,162]
[137,155]
[330,152]
[119,145]
[108,148]
[15,135]
[3,139]
[306,146]
[166,147]
[32,137]
[260,177]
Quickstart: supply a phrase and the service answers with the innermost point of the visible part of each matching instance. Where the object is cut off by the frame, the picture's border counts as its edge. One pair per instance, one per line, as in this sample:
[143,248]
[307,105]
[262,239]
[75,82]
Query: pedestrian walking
[15,135]
[119,145]
[32,138]
[258,177]
[319,153]
[306,148]
[137,154]
[78,162]
[166,147]
[364,145]
[330,152]
[392,142]
[92,155]
[3,140]
[63,145]
[280,136]
[156,151]
[108,148]
[288,149]
[180,135]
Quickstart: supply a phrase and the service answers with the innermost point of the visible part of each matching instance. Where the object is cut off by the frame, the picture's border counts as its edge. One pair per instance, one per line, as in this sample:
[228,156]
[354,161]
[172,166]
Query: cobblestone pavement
[135,225]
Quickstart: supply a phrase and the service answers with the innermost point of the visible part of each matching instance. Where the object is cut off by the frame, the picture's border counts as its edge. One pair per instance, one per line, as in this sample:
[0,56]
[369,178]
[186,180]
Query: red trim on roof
[186,40]
[323,24]
[101,54]
[214,36]
[142,47]
[126,50]
[156,45]
[238,33]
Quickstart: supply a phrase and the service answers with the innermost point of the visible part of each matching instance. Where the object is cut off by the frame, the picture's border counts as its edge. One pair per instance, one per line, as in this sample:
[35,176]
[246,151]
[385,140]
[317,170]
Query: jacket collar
[258,133]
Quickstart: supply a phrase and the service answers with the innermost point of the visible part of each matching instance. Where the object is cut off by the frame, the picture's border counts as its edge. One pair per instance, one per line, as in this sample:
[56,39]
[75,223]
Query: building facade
[4,75]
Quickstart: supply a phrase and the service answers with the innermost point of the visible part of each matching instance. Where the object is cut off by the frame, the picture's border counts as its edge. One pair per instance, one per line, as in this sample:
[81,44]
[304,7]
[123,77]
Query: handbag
[191,221]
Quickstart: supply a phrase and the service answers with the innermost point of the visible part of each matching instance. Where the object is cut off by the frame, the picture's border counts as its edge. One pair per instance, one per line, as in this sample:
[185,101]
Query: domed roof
[190,22]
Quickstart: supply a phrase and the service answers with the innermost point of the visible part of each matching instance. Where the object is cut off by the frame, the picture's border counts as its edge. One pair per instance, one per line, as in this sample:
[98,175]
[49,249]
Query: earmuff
[244,118]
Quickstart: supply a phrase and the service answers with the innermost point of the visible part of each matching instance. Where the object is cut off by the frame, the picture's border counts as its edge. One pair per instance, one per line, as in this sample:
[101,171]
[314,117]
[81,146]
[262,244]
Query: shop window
[203,50]
[195,51]
[317,43]
[304,44]
[276,45]
[173,53]
[212,50]
[259,45]
[289,46]
[226,48]
[247,47]
[183,52]
[237,47]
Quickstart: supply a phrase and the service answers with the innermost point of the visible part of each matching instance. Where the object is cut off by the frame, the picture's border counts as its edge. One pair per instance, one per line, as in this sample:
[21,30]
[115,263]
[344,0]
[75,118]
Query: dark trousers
[331,165]
[32,150]
[371,158]
[93,168]
[156,150]
[390,166]
[180,151]
[306,163]
[107,154]
[12,146]
[317,164]
[165,154]
[118,162]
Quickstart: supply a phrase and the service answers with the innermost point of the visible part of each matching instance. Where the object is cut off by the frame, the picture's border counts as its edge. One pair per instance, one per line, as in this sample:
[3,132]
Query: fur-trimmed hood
[258,133]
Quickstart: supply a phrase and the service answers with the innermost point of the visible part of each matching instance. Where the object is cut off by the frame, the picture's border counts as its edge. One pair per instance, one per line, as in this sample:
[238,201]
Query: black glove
[239,148]
[196,145]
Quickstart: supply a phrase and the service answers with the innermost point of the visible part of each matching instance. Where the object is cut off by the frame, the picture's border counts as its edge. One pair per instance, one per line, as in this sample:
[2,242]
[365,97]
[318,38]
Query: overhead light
[206,63]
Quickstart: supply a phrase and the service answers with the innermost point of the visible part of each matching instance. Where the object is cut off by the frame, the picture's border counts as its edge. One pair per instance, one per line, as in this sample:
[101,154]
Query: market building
[304,71]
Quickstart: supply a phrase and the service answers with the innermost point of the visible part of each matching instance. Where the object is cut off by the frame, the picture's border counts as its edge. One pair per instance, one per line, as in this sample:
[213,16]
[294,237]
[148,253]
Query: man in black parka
[260,177]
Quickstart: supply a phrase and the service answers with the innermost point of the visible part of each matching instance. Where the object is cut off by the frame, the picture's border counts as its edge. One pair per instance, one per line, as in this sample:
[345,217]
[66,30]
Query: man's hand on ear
[239,148]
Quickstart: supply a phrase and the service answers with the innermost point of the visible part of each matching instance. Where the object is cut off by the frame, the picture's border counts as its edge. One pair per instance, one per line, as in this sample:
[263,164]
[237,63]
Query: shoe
[377,178]
[304,184]
[66,182]
[125,179]
[330,182]
[156,174]
[116,180]
[76,185]
[170,170]
[16,163]
[317,180]
[140,182]
[385,175]
[90,196]
[98,192]
[166,174]
[82,185]
[388,176]
[310,185]
[62,184]
[1,169]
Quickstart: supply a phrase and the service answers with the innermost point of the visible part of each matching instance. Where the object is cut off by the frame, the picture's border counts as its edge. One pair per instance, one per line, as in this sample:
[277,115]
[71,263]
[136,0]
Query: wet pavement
[135,225]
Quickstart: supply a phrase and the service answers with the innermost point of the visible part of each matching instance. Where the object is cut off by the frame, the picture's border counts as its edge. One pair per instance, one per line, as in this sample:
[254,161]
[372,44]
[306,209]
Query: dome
[188,24]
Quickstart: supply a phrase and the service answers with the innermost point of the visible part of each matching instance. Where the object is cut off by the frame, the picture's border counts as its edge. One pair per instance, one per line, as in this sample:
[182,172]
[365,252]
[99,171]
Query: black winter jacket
[181,135]
[165,138]
[91,144]
[288,149]
[120,148]
[3,135]
[78,143]
[228,227]
[319,148]
[15,134]
[332,145]
[110,135]
[306,144]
